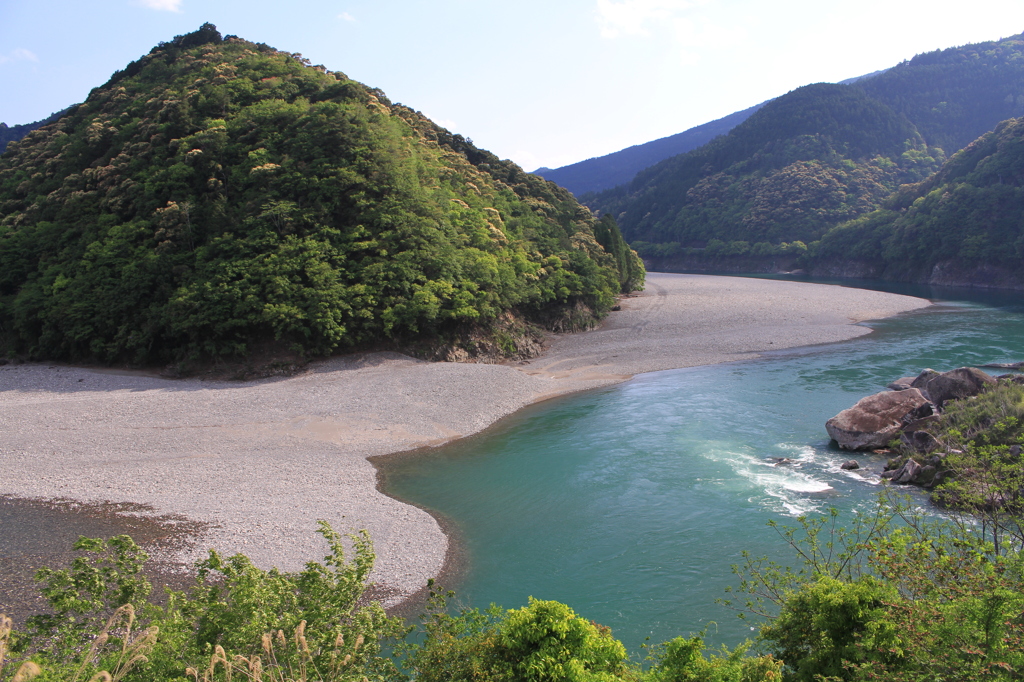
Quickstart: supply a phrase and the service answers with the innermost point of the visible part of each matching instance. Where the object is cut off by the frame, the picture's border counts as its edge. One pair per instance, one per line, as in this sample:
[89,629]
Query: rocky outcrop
[957,384]
[877,419]
[911,411]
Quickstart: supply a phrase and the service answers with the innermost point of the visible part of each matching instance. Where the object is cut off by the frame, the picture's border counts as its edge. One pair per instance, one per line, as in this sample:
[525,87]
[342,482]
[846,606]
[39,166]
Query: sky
[542,82]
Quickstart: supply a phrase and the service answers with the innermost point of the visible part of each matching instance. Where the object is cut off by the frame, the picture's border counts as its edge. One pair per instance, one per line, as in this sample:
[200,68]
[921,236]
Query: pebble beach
[254,465]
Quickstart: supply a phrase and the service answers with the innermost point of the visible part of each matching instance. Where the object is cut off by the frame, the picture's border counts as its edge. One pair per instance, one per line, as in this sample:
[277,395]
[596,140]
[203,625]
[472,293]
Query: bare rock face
[958,383]
[876,419]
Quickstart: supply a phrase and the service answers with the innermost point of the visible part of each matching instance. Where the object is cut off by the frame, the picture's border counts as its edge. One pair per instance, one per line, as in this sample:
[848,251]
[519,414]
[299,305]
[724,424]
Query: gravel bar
[256,464]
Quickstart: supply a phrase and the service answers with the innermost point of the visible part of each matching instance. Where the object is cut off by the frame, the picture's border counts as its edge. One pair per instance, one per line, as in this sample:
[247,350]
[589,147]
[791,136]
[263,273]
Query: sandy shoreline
[262,461]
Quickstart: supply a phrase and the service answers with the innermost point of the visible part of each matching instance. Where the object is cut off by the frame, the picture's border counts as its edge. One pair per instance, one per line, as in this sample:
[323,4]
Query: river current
[631,503]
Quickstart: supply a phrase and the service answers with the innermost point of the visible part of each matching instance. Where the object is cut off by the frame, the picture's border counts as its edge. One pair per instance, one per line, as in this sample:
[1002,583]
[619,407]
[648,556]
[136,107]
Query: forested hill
[10,134]
[965,224]
[771,182]
[955,96]
[217,195]
[617,168]
[805,161]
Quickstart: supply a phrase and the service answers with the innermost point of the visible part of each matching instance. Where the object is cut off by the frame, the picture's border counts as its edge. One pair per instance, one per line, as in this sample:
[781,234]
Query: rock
[907,473]
[901,384]
[921,441]
[1012,378]
[921,424]
[889,473]
[1005,365]
[850,465]
[922,379]
[874,420]
[957,383]
[926,476]
[1015,450]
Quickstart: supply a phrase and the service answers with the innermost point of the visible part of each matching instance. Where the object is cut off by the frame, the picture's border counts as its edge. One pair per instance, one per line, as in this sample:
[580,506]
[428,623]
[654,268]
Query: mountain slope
[10,134]
[742,190]
[956,95]
[805,161]
[218,194]
[617,168]
[963,225]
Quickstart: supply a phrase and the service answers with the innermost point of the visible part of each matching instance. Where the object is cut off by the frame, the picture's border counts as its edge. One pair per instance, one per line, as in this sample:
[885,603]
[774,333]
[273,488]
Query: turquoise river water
[631,503]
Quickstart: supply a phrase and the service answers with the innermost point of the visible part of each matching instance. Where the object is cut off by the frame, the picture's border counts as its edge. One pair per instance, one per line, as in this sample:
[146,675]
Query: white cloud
[631,17]
[345,16]
[684,27]
[19,54]
[162,5]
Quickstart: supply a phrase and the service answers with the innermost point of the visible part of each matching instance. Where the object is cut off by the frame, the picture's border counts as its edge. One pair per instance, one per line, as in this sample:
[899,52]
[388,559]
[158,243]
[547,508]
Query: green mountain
[10,134]
[818,156]
[805,161]
[218,195]
[965,224]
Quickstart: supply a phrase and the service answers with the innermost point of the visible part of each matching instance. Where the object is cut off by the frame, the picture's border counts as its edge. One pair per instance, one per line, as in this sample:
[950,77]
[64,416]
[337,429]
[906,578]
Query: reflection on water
[631,503]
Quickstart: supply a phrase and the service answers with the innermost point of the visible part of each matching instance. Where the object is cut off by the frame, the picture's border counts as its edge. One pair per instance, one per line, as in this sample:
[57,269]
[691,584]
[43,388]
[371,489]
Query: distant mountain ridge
[604,172]
[818,156]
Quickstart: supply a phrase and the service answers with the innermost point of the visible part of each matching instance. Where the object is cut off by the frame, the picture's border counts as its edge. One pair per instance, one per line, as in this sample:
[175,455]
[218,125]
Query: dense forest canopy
[969,213]
[819,156]
[810,159]
[218,193]
[14,133]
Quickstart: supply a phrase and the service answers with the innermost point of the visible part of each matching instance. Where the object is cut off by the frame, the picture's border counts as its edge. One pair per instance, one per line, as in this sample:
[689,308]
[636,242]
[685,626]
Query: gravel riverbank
[256,464]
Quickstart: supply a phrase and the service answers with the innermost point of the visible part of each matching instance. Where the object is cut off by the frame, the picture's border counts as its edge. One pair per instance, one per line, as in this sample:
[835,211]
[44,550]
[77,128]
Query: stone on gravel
[874,420]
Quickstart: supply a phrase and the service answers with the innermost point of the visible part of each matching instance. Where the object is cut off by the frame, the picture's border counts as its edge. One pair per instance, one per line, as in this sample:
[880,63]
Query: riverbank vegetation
[218,196]
[894,595]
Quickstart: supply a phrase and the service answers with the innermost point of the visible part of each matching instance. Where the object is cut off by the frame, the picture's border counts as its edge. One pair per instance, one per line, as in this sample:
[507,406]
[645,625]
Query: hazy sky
[543,82]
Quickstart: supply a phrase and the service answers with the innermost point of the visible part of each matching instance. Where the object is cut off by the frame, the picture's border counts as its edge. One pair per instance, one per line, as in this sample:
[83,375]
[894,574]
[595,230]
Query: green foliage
[920,599]
[828,625]
[104,577]
[682,660]
[234,609]
[217,195]
[542,642]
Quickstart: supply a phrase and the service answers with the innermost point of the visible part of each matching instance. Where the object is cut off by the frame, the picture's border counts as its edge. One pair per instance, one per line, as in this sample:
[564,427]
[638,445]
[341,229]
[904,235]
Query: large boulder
[957,383]
[922,379]
[876,419]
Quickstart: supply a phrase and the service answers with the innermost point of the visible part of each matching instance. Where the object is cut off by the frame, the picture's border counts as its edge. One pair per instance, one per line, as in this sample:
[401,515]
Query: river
[631,503]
